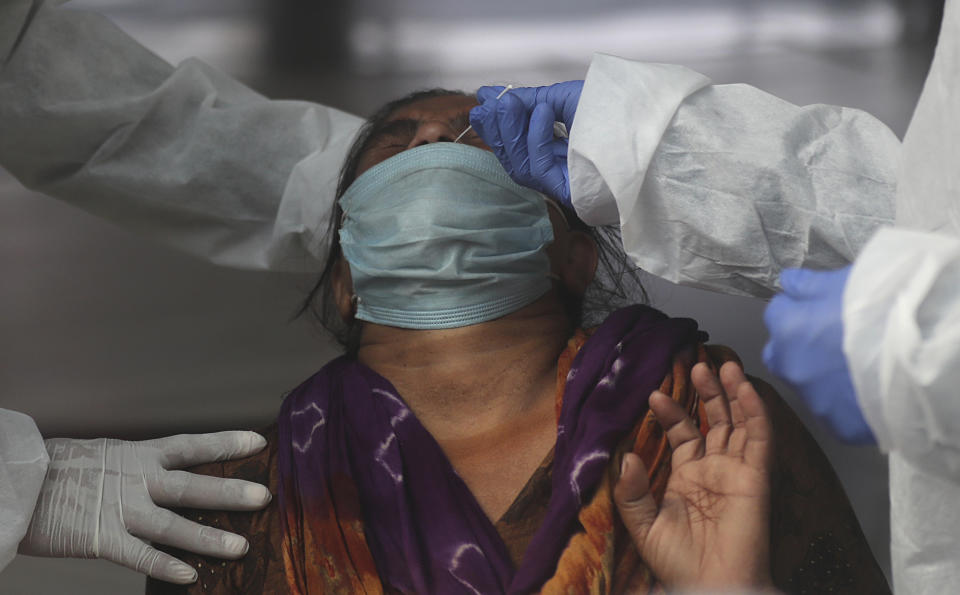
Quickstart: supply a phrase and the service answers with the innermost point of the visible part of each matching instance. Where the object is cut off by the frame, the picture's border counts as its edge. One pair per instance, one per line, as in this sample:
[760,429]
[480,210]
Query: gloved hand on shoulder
[806,349]
[101,499]
[519,127]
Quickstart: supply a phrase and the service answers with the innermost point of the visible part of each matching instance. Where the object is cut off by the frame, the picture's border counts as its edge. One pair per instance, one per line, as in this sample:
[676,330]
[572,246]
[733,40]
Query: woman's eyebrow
[405,126]
[408,126]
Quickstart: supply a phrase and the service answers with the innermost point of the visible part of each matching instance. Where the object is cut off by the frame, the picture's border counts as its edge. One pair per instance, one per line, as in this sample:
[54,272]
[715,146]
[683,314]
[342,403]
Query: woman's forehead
[437,106]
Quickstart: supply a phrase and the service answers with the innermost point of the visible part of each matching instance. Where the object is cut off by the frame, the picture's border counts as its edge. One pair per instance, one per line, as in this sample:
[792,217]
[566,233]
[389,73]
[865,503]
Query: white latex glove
[100,496]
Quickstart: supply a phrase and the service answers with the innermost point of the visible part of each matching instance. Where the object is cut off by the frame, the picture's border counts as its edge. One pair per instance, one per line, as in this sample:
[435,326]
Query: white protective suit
[721,187]
[186,156]
[902,334]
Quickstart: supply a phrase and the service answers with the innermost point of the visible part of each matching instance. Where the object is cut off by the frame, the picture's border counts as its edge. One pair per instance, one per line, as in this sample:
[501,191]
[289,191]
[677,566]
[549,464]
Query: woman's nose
[432,132]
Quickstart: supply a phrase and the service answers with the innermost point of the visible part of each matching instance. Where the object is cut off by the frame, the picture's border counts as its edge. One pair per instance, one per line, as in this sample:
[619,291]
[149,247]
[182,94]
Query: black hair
[616,284]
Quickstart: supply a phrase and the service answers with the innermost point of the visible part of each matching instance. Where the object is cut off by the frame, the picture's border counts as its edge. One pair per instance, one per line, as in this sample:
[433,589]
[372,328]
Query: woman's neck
[485,392]
[472,381]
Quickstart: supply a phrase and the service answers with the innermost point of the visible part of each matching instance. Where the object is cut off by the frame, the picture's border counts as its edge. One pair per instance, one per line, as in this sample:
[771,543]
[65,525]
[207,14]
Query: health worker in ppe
[873,348]
[90,116]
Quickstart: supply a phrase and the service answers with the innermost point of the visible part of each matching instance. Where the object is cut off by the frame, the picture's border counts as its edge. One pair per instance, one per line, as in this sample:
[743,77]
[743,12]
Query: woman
[472,436]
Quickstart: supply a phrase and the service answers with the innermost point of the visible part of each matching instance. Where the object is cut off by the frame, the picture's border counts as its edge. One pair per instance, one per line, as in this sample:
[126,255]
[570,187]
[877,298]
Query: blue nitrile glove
[519,129]
[806,349]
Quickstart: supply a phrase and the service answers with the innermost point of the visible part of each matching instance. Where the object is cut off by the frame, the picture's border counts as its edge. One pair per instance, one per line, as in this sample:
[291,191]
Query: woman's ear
[343,290]
[578,263]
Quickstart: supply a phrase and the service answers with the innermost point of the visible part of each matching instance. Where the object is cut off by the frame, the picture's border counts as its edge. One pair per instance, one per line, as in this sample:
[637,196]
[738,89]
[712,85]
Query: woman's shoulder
[258,468]
[261,569]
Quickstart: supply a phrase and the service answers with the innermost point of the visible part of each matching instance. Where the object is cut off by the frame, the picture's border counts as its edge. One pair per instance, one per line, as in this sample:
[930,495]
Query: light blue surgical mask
[439,236]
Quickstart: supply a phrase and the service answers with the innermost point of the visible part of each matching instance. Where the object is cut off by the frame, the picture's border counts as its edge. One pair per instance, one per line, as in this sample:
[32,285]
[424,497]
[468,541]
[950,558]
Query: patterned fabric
[816,542]
[366,491]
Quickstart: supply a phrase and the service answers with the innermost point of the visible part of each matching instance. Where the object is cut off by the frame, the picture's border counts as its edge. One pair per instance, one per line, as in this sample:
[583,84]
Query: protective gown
[723,186]
[186,156]
[902,334]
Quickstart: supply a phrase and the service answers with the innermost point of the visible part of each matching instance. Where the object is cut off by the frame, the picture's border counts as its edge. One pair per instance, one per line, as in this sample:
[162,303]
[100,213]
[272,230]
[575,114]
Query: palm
[711,529]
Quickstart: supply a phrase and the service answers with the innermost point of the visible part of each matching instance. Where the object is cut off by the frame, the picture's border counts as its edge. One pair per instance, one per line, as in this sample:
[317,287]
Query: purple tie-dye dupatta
[346,432]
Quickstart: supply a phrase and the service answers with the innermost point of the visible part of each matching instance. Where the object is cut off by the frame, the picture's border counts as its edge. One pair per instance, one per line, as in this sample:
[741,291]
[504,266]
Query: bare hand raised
[711,532]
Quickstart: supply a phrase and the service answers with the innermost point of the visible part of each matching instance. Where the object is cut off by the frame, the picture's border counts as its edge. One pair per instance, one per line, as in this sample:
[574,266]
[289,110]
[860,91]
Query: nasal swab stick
[470,127]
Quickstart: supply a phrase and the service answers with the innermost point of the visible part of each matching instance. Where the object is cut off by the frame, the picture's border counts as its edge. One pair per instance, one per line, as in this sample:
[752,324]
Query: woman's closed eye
[394,134]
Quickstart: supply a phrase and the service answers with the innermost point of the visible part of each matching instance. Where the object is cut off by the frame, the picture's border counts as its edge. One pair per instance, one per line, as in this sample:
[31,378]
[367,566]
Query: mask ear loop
[556,207]
[354,298]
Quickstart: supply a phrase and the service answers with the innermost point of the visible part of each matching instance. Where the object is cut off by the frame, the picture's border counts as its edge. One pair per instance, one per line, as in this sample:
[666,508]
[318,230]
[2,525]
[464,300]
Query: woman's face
[431,120]
[573,255]
[434,120]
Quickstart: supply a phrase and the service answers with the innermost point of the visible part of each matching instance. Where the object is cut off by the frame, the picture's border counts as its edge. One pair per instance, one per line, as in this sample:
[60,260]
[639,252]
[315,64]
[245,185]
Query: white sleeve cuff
[624,109]
[902,342]
[23,465]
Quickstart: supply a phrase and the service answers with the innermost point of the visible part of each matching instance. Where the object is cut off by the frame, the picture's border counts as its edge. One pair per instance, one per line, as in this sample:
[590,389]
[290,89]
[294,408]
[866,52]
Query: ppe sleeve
[23,464]
[901,316]
[186,156]
[924,529]
[928,193]
[723,186]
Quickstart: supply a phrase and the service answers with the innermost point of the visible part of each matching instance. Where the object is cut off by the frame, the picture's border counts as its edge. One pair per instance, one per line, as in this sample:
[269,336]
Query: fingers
[548,156]
[771,319]
[568,97]
[758,446]
[798,282]
[483,118]
[711,394]
[715,405]
[488,92]
[519,128]
[138,556]
[739,426]
[682,433]
[637,508]
[772,314]
[540,140]
[191,490]
[732,376]
[163,526]
[512,119]
[806,283]
[781,317]
[530,96]
[185,450]
[561,97]
[751,431]
[778,309]
[769,356]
